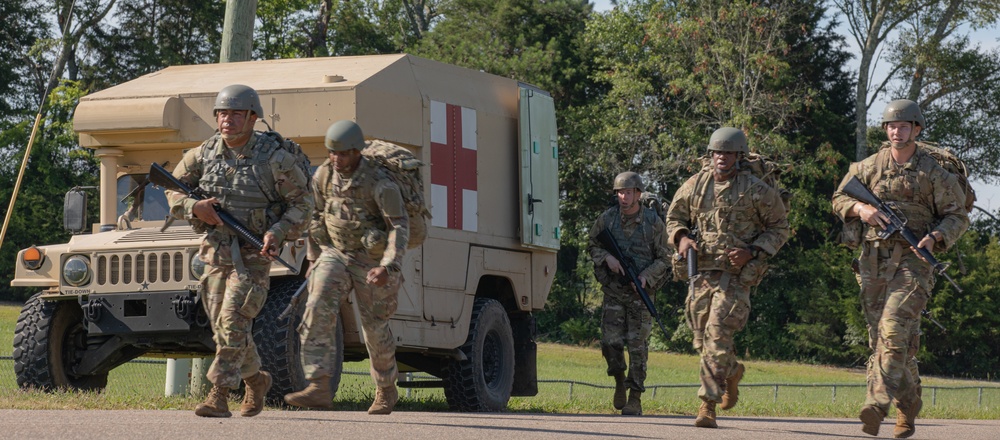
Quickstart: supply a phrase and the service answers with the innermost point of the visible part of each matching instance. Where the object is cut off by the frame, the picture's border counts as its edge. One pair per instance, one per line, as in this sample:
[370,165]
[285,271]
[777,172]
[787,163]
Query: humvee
[129,287]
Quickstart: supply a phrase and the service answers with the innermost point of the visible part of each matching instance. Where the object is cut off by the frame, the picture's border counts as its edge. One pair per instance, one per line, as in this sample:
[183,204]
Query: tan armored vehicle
[128,288]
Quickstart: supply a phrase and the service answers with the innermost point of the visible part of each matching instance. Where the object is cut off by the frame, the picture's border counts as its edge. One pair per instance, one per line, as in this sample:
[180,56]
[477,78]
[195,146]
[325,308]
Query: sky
[988,195]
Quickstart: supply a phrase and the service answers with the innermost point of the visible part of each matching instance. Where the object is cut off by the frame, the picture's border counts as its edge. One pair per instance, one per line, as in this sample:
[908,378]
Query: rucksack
[952,164]
[765,169]
[404,170]
[655,203]
[268,187]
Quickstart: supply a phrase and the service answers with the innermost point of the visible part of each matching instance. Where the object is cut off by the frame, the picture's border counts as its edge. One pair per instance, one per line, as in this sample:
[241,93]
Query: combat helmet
[344,135]
[629,179]
[728,139]
[902,110]
[238,97]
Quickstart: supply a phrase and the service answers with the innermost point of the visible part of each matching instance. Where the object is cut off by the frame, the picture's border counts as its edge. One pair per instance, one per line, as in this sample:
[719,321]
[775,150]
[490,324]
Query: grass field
[671,388]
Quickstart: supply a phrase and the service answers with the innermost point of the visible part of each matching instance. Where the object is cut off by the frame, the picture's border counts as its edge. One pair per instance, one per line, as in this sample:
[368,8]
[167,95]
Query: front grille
[139,268]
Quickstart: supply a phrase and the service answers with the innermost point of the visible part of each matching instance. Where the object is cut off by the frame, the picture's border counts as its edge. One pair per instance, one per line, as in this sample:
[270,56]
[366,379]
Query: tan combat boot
[385,400]
[906,420]
[634,405]
[706,416]
[316,395]
[871,418]
[732,388]
[256,390]
[216,404]
[619,399]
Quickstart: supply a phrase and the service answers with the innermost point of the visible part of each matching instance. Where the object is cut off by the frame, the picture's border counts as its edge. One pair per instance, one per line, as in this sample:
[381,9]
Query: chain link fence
[146,377]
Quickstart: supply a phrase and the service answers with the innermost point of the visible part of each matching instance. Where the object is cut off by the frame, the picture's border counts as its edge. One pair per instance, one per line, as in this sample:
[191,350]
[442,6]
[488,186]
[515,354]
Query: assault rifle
[609,244]
[160,177]
[897,223]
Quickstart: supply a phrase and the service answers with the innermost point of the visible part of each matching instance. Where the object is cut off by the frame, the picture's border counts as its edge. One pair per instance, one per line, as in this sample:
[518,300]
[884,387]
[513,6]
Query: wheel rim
[492,359]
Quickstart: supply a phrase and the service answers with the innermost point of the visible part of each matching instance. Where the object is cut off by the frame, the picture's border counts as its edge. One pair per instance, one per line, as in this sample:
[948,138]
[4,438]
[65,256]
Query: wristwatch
[755,251]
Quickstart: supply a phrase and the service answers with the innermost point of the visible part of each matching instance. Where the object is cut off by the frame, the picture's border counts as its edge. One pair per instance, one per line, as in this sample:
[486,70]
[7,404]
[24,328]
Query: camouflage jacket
[363,210]
[929,197]
[235,182]
[742,211]
[640,238]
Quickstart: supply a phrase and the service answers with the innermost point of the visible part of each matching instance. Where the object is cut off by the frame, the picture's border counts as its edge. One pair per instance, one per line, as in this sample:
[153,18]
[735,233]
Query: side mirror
[75,211]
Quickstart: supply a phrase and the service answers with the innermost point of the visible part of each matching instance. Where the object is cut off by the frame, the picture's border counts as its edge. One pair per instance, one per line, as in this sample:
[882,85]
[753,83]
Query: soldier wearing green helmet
[626,322]
[741,222]
[253,177]
[895,281]
[358,235]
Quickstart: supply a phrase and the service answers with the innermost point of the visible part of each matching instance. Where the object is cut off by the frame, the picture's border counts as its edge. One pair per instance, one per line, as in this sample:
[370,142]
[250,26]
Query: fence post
[178,380]
[571,390]
[775,394]
[834,394]
[980,397]
[934,397]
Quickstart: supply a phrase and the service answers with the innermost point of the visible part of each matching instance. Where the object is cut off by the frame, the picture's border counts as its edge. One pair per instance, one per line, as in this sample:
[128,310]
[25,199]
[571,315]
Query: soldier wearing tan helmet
[741,221]
[626,323]
[895,281]
[251,176]
[358,236]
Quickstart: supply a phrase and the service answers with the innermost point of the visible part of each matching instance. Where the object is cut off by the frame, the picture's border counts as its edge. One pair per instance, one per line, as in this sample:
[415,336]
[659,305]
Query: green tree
[873,23]
[148,35]
[57,164]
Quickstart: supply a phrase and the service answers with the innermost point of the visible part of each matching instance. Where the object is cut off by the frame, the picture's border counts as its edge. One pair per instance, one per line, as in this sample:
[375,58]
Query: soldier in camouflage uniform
[741,221]
[232,167]
[626,321]
[358,236]
[895,282]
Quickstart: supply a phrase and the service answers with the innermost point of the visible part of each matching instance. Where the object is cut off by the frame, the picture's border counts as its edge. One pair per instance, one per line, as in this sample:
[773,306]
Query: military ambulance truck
[129,286]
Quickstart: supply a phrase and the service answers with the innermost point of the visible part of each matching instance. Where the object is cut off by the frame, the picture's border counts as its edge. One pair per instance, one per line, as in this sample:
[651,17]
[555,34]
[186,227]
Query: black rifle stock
[160,177]
[609,244]
[897,223]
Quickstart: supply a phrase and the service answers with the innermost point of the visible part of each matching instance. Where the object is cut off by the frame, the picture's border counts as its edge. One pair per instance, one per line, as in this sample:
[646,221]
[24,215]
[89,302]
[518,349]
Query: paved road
[356,425]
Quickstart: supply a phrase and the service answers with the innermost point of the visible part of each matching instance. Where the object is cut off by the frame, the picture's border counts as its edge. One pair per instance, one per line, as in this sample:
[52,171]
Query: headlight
[76,271]
[197,267]
[32,258]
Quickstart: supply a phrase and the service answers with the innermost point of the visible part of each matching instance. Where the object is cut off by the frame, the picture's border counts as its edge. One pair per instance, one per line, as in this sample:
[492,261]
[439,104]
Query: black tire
[49,340]
[278,342]
[483,381]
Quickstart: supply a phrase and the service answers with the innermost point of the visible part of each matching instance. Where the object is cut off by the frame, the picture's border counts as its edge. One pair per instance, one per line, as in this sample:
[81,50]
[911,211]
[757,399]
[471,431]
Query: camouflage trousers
[626,323]
[717,307]
[334,275]
[232,301]
[895,287]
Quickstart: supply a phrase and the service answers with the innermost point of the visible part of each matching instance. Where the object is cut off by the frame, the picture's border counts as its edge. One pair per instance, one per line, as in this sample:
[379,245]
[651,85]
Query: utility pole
[237,31]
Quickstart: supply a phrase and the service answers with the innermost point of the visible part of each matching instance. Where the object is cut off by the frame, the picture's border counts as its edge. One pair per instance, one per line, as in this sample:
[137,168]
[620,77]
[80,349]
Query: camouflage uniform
[895,282]
[235,283]
[626,322]
[739,212]
[360,223]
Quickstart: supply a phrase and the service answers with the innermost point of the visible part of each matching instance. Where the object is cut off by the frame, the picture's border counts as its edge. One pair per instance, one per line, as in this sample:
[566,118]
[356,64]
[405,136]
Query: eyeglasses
[232,114]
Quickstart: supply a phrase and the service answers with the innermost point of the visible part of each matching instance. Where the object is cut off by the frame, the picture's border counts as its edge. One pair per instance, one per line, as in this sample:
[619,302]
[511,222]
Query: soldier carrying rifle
[627,321]
[741,222]
[896,280]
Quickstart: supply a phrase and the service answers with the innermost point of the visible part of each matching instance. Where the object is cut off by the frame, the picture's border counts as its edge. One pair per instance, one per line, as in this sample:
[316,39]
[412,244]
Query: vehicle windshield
[147,203]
